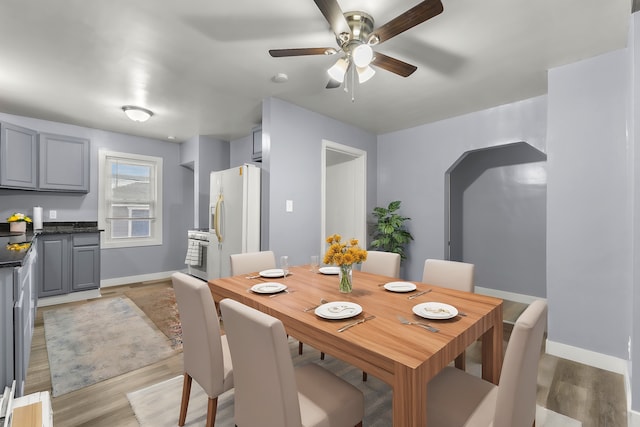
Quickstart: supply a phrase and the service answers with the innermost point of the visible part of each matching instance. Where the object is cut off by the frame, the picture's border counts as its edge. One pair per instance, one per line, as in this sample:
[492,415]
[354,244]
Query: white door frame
[358,187]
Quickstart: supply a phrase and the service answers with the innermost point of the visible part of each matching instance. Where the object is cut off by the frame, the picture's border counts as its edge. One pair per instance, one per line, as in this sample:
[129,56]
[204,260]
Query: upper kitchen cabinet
[64,163]
[18,157]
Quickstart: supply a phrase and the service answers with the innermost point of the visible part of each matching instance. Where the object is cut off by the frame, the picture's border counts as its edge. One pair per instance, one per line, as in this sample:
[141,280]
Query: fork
[286,291]
[423,325]
[418,294]
[349,325]
[322,301]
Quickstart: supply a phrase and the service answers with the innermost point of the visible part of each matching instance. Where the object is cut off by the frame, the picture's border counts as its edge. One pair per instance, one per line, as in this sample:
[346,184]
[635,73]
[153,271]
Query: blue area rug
[93,342]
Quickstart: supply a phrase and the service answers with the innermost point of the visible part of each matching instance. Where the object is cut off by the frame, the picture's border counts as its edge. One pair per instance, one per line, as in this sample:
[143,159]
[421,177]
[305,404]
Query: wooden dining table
[404,356]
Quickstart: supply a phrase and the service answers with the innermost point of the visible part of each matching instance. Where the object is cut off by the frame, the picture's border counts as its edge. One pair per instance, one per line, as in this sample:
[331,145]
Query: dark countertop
[14,258]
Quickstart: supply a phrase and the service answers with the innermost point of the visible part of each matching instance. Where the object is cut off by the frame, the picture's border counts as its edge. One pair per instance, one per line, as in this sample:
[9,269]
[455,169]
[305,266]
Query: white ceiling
[203,66]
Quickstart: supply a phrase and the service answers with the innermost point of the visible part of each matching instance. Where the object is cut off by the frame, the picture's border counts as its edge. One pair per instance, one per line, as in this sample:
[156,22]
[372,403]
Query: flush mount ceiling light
[137,114]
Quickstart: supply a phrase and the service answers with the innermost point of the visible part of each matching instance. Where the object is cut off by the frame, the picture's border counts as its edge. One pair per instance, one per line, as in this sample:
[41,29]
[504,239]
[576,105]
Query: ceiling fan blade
[334,16]
[412,17]
[394,65]
[277,53]
[332,84]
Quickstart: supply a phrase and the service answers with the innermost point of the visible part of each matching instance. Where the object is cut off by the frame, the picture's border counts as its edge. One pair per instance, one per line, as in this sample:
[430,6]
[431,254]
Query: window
[130,205]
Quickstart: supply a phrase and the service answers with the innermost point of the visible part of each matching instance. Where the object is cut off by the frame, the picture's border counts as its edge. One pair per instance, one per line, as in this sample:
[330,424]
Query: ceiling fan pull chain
[353,83]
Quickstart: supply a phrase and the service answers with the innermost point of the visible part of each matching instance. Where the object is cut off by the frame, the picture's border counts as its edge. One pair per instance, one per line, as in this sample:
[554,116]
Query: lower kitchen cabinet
[18,304]
[68,263]
[55,264]
[86,262]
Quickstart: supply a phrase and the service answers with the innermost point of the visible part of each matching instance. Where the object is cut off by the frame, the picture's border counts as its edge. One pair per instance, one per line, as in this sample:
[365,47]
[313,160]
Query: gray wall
[203,154]
[177,205]
[589,251]
[634,130]
[412,164]
[291,162]
[241,150]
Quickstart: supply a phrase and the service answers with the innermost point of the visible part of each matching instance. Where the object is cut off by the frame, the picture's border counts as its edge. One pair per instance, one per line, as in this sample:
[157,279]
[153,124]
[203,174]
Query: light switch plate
[289,206]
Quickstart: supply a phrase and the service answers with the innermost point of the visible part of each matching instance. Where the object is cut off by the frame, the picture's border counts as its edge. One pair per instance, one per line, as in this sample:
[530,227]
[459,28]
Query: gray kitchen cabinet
[54,264]
[64,163]
[68,263]
[18,157]
[18,304]
[86,262]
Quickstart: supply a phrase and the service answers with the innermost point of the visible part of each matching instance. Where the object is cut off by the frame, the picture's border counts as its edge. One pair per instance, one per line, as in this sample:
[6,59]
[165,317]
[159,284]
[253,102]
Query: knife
[345,327]
[418,294]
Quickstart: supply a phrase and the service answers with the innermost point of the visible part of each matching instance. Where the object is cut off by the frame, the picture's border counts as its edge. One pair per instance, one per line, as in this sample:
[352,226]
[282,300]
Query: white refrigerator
[234,216]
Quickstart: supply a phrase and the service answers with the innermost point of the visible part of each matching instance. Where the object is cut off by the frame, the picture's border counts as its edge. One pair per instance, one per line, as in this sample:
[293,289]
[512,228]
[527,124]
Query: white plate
[274,272]
[435,310]
[268,288]
[338,310]
[400,286]
[329,270]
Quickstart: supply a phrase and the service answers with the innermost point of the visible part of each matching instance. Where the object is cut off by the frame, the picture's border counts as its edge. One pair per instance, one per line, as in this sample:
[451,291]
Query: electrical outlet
[53,214]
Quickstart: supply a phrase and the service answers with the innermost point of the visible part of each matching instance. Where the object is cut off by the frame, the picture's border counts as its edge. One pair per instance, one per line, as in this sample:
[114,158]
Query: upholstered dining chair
[269,391]
[205,351]
[250,262]
[383,263]
[456,398]
[452,275]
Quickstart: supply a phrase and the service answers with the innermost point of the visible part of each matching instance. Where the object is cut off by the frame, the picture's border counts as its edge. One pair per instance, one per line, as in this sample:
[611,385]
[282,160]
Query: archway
[496,217]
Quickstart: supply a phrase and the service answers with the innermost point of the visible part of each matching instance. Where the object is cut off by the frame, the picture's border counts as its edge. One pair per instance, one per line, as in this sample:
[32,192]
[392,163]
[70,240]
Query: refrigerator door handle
[217,224]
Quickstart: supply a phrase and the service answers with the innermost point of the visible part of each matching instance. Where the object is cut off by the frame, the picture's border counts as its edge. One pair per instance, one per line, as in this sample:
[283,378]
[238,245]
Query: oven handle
[218,211]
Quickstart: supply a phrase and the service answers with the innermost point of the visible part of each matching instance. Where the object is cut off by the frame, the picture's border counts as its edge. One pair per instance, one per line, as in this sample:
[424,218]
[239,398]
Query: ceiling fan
[356,36]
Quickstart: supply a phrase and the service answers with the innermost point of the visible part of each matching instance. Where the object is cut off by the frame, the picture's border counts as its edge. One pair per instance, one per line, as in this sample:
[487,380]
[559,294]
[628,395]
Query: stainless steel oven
[198,255]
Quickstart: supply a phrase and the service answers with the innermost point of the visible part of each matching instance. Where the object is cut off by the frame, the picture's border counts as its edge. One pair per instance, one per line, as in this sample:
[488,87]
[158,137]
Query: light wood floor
[102,404]
[591,395]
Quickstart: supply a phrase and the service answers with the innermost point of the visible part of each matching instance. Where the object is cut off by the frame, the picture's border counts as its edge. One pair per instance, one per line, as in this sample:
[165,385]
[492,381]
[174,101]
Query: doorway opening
[495,217]
[344,178]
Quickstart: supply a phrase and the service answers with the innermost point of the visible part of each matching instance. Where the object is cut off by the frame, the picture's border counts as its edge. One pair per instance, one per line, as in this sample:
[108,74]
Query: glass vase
[346,278]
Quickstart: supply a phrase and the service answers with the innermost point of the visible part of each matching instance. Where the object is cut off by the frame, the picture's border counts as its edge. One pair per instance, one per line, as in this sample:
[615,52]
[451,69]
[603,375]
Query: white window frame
[104,222]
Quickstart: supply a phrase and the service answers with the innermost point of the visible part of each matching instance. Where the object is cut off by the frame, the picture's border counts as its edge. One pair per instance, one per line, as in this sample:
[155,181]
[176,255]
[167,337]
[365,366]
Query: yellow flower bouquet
[344,255]
[18,217]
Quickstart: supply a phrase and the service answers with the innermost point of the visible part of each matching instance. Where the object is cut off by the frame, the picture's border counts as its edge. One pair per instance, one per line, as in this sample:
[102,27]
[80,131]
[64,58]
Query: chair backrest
[265,393]
[516,399]
[251,262]
[449,274]
[383,263]
[201,342]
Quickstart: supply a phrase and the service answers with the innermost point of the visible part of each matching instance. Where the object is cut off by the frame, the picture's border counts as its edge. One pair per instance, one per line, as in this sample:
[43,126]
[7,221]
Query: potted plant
[390,234]
[18,222]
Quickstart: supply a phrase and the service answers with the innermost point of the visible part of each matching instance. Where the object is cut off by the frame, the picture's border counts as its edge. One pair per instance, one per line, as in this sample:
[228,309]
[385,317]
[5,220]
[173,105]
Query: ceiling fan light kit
[338,70]
[355,35]
[362,55]
[365,73]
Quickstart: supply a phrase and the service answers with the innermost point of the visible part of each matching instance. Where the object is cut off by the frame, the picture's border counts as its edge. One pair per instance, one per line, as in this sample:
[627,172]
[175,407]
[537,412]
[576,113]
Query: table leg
[409,398]
[492,348]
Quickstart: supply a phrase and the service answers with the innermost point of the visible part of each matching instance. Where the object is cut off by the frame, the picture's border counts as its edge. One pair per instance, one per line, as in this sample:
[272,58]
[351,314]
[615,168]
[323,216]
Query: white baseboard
[634,419]
[511,296]
[588,357]
[70,297]
[117,281]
